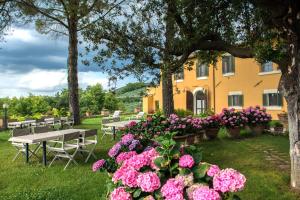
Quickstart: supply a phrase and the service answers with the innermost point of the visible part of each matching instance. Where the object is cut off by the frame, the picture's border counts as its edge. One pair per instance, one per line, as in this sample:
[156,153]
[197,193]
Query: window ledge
[268,73]
[178,81]
[202,78]
[236,107]
[228,74]
[273,107]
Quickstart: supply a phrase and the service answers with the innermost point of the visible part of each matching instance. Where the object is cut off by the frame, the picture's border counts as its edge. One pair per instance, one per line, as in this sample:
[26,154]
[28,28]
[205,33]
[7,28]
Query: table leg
[44,153]
[27,152]
[114,132]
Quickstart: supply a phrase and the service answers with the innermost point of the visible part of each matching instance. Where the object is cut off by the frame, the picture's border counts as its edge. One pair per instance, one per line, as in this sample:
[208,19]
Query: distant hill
[131,95]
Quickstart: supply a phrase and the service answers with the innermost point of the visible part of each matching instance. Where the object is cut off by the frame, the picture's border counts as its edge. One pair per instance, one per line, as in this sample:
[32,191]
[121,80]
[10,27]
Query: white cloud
[23,35]
[44,82]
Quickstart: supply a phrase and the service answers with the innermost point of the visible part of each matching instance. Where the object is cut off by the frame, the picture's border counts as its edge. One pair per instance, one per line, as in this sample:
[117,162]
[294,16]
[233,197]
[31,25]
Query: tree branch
[40,10]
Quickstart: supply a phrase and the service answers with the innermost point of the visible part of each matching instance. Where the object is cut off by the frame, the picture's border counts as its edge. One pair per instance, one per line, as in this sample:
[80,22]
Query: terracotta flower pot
[199,136]
[211,133]
[187,139]
[234,132]
[257,130]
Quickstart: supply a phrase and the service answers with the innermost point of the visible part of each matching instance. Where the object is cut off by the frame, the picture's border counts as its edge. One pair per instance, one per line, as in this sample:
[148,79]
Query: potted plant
[183,127]
[212,125]
[233,121]
[257,119]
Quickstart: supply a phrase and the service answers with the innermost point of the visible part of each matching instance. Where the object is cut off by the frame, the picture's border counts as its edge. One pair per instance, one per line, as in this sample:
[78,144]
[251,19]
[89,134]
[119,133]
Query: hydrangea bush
[257,116]
[167,170]
[231,118]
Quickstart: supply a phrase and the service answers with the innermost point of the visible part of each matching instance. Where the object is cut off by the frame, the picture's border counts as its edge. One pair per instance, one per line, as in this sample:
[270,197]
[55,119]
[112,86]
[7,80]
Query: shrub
[230,118]
[256,116]
[183,113]
[170,171]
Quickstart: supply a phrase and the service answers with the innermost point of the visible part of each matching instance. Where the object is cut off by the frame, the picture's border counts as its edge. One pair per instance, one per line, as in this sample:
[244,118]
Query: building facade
[232,83]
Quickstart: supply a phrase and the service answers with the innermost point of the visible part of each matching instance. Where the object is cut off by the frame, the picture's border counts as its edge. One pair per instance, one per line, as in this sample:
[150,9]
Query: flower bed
[166,170]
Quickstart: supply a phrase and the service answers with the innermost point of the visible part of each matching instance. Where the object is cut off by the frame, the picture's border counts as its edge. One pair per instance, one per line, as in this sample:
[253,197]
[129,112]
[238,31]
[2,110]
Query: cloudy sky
[35,63]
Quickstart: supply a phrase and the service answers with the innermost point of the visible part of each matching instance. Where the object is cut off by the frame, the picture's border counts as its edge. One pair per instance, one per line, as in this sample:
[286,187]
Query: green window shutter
[229,100]
[206,70]
[241,100]
[265,99]
[223,64]
[280,99]
[232,63]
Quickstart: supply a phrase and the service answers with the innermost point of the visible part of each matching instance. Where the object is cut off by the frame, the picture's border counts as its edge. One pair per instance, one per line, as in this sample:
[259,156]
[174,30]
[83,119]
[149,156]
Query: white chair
[105,129]
[21,148]
[140,115]
[116,114]
[66,146]
[66,121]
[88,138]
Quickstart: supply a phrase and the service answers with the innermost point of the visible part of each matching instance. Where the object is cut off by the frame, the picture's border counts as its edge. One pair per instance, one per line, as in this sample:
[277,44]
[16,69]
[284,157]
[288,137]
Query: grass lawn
[265,180]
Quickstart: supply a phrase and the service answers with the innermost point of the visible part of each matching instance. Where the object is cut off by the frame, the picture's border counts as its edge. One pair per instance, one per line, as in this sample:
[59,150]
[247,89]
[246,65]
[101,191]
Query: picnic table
[118,125]
[41,138]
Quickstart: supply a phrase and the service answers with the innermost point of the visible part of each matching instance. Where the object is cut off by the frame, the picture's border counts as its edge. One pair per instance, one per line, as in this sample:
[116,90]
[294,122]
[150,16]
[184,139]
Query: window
[202,70]
[156,105]
[228,65]
[272,98]
[179,75]
[235,100]
[266,67]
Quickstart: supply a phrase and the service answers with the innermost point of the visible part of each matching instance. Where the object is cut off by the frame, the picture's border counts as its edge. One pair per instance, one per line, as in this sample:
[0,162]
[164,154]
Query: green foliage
[111,103]
[131,87]
[92,99]
[183,113]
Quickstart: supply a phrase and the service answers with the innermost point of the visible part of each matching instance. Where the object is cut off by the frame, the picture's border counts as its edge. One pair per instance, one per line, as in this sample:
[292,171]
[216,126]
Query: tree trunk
[167,93]
[290,82]
[73,73]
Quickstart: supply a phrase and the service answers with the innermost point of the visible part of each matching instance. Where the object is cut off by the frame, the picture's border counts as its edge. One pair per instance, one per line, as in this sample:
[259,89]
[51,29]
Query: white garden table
[42,138]
[118,125]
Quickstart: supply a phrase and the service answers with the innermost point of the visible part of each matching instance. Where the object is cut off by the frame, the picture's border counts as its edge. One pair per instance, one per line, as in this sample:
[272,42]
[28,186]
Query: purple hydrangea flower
[133,144]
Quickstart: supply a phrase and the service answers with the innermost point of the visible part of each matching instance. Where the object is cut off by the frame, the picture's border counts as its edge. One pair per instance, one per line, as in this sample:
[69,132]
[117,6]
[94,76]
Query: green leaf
[197,157]
[161,162]
[137,193]
[184,171]
[200,170]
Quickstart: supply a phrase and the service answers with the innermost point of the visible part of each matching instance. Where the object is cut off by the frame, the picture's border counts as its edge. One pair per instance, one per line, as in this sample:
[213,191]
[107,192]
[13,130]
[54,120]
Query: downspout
[214,87]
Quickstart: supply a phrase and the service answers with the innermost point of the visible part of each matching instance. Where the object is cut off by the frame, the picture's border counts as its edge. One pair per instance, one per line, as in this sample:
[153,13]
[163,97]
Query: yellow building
[233,82]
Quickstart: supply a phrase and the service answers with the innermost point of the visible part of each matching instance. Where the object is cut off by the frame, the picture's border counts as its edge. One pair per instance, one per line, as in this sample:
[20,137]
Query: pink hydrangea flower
[173,189]
[229,180]
[114,151]
[120,194]
[127,139]
[98,165]
[124,156]
[148,181]
[129,177]
[186,161]
[151,155]
[205,193]
[137,161]
[213,170]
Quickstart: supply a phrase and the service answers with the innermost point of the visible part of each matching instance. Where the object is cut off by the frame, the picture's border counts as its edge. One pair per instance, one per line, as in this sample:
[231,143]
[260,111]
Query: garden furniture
[42,138]
[117,125]
[140,115]
[105,129]
[20,146]
[88,138]
[116,115]
[68,142]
